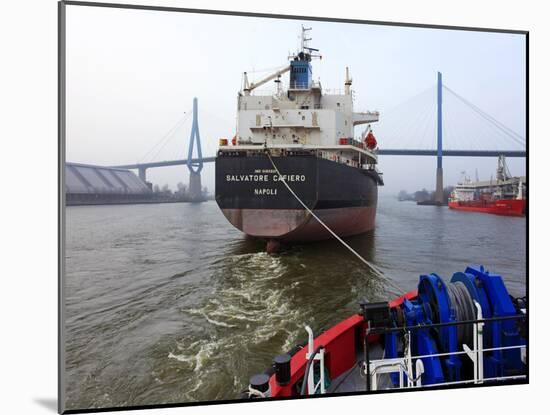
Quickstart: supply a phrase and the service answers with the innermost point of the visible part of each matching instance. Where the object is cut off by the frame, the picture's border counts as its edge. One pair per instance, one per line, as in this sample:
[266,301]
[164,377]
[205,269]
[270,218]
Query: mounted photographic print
[259,207]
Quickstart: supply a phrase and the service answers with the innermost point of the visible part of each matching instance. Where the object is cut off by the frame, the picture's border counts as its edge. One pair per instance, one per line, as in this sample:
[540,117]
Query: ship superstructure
[300,115]
[309,136]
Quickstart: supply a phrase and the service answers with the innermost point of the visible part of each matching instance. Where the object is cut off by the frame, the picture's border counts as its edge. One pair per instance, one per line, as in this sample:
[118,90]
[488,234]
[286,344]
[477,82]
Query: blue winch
[450,324]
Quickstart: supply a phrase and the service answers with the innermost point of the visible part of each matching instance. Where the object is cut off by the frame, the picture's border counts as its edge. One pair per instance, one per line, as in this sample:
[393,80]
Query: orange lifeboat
[370,141]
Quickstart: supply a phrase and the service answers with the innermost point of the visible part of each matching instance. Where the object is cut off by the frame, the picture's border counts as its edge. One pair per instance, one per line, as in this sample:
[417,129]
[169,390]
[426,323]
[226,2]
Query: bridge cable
[412,127]
[482,134]
[450,138]
[403,123]
[425,112]
[163,145]
[165,136]
[509,132]
[453,136]
[430,128]
[410,99]
[369,264]
[425,122]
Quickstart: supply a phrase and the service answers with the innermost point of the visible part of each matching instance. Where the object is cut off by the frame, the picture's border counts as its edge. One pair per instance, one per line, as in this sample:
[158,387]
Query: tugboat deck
[354,381]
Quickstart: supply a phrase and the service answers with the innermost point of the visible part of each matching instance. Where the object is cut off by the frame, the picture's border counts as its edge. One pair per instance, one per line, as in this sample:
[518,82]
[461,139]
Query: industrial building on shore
[96,185]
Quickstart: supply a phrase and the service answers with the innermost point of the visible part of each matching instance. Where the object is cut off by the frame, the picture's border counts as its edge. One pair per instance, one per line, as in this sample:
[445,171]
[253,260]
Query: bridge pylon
[195,165]
[142,173]
[439,172]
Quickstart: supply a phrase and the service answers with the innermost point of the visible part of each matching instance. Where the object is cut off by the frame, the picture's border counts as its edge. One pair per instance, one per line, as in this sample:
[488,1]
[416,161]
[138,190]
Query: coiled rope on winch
[372,267]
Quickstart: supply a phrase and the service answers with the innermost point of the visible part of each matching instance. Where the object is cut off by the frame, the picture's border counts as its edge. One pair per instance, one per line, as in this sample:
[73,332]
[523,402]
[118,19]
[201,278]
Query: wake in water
[250,310]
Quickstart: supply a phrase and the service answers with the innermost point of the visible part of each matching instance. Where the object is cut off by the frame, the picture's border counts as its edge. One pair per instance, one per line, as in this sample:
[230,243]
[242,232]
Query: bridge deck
[381,152]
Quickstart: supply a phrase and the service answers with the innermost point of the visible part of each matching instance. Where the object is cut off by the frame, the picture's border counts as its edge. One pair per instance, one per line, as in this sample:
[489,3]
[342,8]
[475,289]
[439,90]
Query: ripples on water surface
[168,303]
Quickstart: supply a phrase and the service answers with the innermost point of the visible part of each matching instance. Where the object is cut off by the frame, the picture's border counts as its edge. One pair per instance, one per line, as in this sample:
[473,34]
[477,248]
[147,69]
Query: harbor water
[168,303]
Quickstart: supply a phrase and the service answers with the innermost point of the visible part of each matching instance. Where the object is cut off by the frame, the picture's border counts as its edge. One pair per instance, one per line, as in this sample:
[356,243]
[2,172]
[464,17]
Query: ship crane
[502,169]
[249,87]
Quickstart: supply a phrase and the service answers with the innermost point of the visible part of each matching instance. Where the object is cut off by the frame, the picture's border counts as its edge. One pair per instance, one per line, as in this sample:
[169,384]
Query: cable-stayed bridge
[436,122]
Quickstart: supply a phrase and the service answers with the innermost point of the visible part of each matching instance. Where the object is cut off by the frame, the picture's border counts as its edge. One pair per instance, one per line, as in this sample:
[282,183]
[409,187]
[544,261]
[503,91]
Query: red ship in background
[505,196]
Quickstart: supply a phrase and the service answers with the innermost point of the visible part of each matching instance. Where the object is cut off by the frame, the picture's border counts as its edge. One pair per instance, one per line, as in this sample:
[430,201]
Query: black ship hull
[253,198]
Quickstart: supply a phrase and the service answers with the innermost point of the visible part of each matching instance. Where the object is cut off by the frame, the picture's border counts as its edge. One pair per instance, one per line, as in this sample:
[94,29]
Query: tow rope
[369,264]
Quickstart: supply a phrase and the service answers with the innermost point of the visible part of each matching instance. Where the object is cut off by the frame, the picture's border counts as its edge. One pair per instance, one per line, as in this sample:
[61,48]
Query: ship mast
[305,48]
[304,39]
[347,84]
[305,54]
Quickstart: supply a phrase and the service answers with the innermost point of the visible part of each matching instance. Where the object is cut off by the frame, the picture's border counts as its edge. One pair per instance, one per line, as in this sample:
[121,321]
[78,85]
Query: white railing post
[373,379]
[409,360]
[310,384]
[473,356]
[479,336]
[322,367]
[419,371]
[320,356]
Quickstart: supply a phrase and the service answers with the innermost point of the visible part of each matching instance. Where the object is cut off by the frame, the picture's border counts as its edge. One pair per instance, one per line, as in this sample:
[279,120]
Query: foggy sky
[132,75]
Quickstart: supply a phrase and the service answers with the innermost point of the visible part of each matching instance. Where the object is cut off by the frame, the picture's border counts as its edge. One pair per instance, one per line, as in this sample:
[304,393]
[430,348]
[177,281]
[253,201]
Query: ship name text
[261,192]
[265,177]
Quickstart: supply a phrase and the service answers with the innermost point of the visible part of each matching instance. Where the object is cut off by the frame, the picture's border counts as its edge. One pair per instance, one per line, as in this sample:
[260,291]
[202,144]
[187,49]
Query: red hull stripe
[506,207]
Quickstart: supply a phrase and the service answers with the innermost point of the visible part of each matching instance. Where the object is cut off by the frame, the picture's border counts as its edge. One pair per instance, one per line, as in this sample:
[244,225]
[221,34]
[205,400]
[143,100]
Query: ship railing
[362,163]
[315,85]
[300,85]
[403,366]
[312,356]
[334,91]
[264,92]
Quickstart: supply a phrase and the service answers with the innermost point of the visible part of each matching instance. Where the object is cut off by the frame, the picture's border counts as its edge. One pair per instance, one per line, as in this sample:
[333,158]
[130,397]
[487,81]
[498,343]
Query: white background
[28,228]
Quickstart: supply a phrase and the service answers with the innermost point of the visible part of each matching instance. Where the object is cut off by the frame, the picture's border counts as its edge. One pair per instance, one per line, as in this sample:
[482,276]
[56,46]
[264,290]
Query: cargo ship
[298,139]
[468,331]
[505,196]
